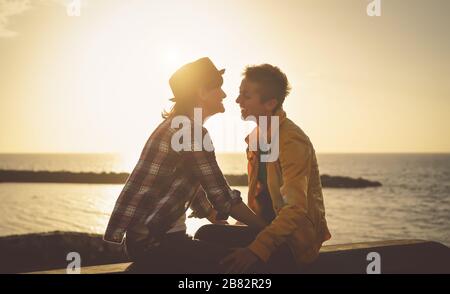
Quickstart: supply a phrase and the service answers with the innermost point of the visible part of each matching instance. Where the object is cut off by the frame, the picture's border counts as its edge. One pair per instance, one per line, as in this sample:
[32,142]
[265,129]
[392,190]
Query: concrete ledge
[116,268]
[397,256]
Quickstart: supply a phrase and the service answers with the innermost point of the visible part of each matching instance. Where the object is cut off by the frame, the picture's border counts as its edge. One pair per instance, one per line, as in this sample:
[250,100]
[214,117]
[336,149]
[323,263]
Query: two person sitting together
[283,225]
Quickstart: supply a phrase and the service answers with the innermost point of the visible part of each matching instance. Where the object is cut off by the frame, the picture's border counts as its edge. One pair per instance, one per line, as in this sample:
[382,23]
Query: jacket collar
[281,118]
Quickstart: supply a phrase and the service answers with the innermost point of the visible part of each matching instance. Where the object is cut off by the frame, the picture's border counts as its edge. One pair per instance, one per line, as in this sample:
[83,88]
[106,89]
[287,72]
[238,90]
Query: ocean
[413,203]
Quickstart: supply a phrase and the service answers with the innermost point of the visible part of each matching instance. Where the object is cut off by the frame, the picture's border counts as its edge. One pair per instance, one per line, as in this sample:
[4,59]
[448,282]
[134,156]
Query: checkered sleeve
[201,207]
[206,170]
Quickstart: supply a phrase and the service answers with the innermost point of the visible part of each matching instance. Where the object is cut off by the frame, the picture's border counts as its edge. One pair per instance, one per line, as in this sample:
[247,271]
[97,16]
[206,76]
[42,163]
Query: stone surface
[44,252]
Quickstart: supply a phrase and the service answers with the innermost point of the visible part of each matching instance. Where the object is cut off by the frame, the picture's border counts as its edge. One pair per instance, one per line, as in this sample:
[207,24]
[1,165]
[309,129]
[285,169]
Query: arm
[202,208]
[244,214]
[225,200]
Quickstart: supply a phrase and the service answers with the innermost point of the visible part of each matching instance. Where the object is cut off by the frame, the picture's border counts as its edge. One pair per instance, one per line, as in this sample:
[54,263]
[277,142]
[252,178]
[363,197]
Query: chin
[221,110]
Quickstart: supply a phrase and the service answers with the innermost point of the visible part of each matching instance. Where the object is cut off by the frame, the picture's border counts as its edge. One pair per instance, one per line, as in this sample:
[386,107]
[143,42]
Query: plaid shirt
[163,185]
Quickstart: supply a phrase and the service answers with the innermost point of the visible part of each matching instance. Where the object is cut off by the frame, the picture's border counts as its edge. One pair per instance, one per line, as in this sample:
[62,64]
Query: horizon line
[228,152]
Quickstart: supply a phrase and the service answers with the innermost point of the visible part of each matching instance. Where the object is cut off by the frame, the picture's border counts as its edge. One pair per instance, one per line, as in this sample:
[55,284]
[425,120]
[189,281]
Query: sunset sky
[98,82]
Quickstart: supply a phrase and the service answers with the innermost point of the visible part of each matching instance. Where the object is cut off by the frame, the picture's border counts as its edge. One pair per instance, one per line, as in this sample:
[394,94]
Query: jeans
[281,261]
[180,253]
[177,253]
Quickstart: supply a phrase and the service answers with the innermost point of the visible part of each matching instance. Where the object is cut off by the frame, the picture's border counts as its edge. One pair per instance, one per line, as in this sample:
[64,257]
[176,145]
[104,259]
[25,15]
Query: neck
[204,114]
[267,115]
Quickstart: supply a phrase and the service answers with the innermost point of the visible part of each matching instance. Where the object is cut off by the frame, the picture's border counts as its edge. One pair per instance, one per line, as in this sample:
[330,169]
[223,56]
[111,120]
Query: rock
[120,178]
[346,182]
[30,252]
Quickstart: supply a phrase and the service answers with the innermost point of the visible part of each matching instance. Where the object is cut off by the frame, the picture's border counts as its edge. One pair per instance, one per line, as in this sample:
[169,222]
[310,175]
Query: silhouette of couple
[283,225]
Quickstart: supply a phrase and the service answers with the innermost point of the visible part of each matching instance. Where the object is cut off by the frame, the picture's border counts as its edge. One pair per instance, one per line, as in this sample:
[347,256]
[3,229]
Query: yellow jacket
[296,192]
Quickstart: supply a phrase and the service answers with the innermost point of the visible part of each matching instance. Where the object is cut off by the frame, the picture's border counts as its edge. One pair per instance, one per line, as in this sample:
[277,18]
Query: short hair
[271,79]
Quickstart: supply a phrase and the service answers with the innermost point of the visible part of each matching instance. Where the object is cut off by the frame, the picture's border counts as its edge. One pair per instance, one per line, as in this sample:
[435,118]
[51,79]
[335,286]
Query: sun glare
[171,59]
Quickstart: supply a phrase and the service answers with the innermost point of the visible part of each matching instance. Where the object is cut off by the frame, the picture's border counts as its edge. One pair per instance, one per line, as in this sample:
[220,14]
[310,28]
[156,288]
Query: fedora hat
[200,73]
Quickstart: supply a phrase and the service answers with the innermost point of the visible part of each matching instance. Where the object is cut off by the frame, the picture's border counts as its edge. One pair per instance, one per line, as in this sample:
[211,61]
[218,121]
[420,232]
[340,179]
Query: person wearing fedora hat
[197,85]
[166,181]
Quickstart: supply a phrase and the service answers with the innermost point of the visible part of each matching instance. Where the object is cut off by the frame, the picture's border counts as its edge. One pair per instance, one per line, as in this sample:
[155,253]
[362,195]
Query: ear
[270,105]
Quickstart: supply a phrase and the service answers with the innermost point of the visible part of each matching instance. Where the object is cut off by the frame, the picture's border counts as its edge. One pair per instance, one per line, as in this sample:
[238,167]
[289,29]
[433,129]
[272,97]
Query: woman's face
[211,101]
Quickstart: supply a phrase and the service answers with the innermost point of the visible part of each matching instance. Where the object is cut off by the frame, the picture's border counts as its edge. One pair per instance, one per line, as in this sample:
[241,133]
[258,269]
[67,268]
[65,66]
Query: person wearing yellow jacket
[286,190]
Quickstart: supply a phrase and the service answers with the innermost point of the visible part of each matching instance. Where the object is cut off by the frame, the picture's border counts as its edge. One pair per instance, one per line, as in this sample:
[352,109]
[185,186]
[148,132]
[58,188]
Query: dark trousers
[281,261]
[177,253]
[180,253]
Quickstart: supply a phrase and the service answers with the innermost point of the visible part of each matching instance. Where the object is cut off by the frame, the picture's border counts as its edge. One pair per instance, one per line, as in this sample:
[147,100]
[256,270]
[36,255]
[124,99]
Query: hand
[212,218]
[239,261]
